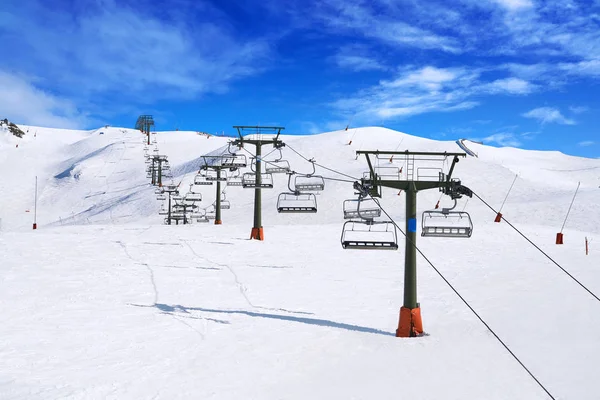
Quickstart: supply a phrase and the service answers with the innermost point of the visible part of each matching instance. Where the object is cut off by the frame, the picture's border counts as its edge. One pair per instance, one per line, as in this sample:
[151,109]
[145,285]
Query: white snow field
[103,301]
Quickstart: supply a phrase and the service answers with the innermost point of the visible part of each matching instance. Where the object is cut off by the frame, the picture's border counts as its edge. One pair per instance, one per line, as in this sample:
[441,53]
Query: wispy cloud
[578,109]
[360,18]
[502,139]
[23,103]
[548,115]
[357,58]
[110,50]
[586,143]
[414,91]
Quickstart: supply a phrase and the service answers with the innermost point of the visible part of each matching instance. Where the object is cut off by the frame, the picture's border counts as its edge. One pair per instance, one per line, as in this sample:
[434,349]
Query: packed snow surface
[104,301]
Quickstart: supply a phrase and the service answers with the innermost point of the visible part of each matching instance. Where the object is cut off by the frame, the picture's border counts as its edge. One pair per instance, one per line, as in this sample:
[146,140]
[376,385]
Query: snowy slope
[105,302]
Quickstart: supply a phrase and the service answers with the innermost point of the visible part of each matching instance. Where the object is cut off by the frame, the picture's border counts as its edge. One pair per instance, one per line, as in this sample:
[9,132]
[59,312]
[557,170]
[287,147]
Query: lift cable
[294,172]
[540,250]
[465,301]
[322,166]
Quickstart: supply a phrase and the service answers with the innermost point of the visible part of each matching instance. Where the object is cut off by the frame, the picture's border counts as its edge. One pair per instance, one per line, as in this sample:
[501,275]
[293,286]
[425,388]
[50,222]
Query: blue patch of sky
[519,73]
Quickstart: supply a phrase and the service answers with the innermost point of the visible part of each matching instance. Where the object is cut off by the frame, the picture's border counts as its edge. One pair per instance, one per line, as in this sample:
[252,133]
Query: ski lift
[278,166]
[199,216]
[295,201]
[212,175]
[369,235]
[161,197]
[211,214]
[309,182]
[365,233]
[446,223]
[225,204]
[357,208]
[235,180]
[249,181]
[201,180]
[234,161]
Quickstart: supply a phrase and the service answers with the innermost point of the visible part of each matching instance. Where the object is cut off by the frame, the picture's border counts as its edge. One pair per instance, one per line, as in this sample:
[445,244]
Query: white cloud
[112,49]
[356,58]
[502,139]
[514,5]
[21,102]
[511,85]
[358,17]
[578,109]
[586,143]
[548,115]
[427,89]
[430,78]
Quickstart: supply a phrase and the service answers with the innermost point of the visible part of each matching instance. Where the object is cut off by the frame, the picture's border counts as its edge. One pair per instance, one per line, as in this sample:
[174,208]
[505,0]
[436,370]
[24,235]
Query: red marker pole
[35,206]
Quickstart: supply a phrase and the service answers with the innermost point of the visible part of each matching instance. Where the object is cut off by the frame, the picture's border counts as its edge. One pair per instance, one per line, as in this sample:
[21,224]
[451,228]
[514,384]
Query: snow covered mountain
[104,301]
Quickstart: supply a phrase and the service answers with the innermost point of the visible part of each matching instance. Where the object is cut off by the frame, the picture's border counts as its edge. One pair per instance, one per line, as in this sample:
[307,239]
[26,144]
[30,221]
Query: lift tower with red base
[415,180]
[255,135]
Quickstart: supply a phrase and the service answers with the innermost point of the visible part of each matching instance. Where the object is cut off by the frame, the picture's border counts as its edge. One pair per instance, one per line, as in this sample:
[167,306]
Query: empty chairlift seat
[456,224]
[234,161]
[369,235]
[312,183]
[249,181]
[361,209]
[278,167]
[211,175]
[201,180]
[297,203]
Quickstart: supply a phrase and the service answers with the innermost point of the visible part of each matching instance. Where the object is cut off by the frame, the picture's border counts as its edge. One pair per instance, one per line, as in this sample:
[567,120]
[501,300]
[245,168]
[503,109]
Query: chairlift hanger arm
[411,153]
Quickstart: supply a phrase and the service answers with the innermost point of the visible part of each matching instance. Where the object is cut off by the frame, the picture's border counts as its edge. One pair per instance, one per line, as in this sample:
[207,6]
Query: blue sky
[522,73]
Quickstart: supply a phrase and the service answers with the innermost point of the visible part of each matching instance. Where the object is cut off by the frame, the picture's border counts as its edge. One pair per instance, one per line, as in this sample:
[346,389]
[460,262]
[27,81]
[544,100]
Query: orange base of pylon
[498,217]
[35,226]
[410,324]
[257,233]
[218,222]
[559,238]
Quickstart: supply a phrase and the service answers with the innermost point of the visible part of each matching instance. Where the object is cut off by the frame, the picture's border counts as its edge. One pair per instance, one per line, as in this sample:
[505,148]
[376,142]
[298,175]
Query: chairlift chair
[446,223]
[296,201]
[309,182]
[201,180]
[278,166]
[212,175]
[369,235]
[234,161]
[199,216]
[249,181]
[161,197]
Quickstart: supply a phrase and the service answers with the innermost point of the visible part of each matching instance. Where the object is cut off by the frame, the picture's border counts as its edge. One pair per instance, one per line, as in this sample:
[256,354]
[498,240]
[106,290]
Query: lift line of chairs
[363,232]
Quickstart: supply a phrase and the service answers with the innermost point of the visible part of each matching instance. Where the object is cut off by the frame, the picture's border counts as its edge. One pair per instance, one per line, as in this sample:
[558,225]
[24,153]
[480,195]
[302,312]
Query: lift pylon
[410,322]
[254,135]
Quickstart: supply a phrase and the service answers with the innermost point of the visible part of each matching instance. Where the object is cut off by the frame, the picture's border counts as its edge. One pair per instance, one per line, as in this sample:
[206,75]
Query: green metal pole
[257,191]
[159,173]
[153,172]
[169,216]
[410,257]
[218,206]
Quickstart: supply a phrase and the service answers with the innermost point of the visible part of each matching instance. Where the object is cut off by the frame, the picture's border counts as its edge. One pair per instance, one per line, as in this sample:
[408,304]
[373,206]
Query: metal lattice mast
[410,323]
[257,230]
